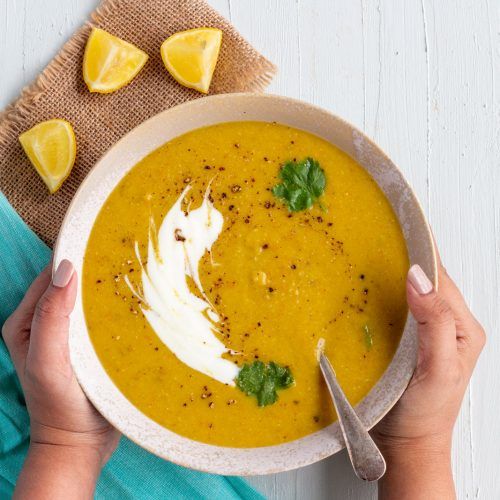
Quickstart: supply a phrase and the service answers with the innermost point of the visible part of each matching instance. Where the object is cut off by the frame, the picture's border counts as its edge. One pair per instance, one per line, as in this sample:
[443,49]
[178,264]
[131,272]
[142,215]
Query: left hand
[36,335]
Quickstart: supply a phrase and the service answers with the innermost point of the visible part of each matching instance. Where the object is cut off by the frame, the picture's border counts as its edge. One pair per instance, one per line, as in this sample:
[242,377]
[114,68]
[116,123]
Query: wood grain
[420,77]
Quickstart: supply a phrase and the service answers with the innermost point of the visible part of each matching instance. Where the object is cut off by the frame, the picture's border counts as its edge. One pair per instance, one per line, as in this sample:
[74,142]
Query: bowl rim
[211,458]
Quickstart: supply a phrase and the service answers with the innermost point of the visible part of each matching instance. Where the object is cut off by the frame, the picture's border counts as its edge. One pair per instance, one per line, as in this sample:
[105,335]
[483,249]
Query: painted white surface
[422,77]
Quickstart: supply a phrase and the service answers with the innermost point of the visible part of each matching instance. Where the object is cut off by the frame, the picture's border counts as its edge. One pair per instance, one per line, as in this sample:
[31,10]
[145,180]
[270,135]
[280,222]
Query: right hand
[450,340]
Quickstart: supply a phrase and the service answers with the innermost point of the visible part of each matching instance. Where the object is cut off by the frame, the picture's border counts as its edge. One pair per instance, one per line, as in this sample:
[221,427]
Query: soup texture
[278,280]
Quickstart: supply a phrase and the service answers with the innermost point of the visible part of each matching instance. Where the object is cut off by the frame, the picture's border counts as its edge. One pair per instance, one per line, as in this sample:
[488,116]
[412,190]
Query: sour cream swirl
[183,321]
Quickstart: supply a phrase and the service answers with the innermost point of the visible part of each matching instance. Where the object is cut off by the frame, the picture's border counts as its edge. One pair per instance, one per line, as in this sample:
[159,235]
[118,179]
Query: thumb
[436,323]
[50,326]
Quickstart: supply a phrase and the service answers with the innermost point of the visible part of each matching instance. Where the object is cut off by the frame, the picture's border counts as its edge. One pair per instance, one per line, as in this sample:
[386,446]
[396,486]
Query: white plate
[110,170]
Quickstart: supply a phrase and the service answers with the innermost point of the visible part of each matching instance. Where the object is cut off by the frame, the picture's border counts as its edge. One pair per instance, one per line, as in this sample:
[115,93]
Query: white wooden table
[422,77]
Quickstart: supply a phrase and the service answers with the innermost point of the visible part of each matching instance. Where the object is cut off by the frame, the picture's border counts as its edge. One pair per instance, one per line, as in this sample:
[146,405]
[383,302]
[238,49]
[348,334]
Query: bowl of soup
[216,244]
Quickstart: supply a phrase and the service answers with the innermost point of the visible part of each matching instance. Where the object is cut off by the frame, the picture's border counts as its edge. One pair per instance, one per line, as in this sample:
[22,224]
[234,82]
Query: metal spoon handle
[366,459]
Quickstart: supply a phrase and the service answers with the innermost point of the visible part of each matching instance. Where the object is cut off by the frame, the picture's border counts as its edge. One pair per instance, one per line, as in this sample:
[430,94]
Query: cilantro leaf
[281,374]
[267,395]
[302,184]
[251,378]
[262,381]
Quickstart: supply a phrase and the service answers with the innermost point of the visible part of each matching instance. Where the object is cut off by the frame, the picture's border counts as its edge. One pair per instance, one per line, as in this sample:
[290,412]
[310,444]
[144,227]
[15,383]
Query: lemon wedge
[51,148]
[190,56]
[109,63]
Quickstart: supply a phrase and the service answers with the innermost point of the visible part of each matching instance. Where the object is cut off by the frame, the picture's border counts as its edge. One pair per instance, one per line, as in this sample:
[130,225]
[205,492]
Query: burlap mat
[100,120]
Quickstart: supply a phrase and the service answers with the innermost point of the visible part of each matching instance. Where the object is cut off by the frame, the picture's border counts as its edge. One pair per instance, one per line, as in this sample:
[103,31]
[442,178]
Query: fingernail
[419,280]
[63,274]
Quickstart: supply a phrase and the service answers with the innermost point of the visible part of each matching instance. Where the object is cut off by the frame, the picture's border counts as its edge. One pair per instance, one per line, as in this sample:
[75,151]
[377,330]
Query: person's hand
[36,335]
[415,437]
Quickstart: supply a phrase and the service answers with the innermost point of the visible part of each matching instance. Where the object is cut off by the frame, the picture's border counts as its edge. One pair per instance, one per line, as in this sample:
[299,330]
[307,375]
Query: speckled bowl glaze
[110,170]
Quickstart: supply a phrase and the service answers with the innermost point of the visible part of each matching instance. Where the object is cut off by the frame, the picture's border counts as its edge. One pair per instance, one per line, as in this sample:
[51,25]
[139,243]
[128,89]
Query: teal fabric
[132,472]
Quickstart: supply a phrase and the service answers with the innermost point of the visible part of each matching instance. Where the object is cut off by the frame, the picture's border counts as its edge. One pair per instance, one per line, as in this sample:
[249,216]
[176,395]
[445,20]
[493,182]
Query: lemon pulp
[190,56]
[51,148]
[109,62]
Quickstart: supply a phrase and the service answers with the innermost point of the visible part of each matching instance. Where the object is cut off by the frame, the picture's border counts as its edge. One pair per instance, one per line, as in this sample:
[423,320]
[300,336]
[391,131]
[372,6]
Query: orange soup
[199,265]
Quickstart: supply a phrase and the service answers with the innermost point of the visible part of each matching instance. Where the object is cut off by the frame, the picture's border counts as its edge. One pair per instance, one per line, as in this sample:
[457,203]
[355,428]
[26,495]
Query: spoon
[366,459]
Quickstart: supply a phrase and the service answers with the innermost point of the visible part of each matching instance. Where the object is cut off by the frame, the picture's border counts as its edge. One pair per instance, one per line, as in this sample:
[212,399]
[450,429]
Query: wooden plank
[223,7]
[464,187]
[31,33]
[12,77]
[272,27]
[481,250]
[395,85]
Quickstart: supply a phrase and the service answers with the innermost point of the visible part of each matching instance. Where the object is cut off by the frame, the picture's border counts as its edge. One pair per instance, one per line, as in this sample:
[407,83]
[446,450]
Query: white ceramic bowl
[110,170]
